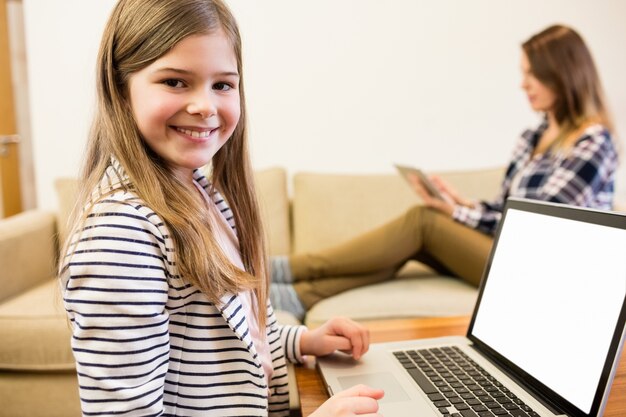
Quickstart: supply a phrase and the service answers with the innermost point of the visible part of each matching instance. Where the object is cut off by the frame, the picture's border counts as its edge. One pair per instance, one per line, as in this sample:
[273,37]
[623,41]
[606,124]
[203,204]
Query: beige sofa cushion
[39,394]
[415,297]
[330,208]
[32,317]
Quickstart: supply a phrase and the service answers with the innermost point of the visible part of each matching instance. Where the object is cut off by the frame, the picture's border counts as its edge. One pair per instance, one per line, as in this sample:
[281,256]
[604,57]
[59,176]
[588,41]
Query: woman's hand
[450,196]
[338,333]
[359,400]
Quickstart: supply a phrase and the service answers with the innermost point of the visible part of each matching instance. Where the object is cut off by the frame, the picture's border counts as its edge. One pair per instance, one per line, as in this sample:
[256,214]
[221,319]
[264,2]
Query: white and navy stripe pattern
[583,176]
[146,342]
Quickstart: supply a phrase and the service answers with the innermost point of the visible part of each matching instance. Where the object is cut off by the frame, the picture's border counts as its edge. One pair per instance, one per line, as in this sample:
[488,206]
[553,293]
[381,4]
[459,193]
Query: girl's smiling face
[186,103]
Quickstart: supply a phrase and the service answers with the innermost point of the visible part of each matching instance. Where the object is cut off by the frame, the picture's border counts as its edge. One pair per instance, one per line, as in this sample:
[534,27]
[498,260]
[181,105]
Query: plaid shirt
[582,176]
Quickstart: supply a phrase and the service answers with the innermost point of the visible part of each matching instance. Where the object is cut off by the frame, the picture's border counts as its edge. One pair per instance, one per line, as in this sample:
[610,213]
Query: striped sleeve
[290,337]
[115,294]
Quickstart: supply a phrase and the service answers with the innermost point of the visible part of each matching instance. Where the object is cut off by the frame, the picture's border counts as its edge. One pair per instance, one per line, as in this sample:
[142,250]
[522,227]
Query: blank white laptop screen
[552,303]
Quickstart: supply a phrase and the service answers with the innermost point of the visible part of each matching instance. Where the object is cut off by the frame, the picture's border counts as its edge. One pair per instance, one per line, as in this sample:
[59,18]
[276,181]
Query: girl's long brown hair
[560,59]
[138,33]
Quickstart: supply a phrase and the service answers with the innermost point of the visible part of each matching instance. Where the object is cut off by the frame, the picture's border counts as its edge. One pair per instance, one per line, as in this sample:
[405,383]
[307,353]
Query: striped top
[582,176]
[146,342]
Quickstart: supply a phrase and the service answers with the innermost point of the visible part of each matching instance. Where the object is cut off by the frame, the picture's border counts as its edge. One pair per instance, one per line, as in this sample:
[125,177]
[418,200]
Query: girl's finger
[362,391]
[362,405]
[339,343]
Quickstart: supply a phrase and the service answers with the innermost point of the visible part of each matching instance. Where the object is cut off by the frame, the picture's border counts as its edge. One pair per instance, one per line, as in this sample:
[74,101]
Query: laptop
[545,336]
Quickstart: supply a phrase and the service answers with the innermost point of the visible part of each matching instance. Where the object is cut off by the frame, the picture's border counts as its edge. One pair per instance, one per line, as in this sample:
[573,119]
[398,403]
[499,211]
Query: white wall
[342,85]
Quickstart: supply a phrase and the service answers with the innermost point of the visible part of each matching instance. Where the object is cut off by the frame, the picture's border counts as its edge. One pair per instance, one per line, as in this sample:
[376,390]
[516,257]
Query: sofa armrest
[28,251]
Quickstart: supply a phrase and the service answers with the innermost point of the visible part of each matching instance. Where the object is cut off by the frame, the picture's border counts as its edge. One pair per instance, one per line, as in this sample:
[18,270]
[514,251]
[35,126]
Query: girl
[570,158]
[165,278]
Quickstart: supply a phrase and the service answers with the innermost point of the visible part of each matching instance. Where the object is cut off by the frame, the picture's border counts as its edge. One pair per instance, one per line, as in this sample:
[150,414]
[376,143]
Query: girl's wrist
[303,343]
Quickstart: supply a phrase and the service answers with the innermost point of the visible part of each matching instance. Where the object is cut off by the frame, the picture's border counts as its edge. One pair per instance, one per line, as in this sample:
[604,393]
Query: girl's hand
[450,196]
[359,400]
[338,333]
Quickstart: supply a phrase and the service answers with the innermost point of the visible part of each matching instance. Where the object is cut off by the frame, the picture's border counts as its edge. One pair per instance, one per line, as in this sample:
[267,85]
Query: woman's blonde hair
[560,59]
[138,33]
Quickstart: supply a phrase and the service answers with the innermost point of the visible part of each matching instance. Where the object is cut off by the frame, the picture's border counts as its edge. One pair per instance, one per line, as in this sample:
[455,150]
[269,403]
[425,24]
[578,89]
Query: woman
[570,158]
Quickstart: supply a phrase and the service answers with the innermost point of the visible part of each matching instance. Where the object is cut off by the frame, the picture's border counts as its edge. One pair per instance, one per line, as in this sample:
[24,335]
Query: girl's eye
[174,83]
[222,87]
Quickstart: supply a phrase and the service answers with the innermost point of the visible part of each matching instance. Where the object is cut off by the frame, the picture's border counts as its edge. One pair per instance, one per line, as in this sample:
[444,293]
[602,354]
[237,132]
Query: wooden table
[313,394]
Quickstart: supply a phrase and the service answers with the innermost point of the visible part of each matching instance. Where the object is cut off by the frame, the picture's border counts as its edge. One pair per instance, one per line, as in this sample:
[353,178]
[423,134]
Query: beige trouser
[421,233]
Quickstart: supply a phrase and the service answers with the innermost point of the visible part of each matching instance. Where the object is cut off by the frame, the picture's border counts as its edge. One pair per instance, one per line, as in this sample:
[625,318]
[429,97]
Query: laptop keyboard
[458,386]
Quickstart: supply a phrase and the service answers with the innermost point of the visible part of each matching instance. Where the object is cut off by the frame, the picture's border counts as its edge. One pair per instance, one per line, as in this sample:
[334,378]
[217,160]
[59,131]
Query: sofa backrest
[274,204]
[273,201]
[329,208]
[325,208]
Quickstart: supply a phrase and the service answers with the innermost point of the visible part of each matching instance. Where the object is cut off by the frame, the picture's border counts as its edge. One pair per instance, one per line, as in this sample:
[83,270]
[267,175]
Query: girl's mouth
[198,134]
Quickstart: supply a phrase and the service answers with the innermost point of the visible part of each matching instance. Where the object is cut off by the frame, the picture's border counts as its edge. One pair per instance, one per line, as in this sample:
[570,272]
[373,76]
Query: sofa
[313,210]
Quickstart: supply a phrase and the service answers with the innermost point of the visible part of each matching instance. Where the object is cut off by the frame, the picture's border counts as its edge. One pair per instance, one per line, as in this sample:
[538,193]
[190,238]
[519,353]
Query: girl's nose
[203,105]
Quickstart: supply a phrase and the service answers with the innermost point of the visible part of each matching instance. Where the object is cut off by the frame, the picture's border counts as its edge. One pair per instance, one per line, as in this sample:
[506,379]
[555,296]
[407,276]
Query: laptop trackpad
[383,380]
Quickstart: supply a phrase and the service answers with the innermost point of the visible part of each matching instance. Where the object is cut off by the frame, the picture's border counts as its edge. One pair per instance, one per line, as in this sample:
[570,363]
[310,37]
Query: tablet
[426,183]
